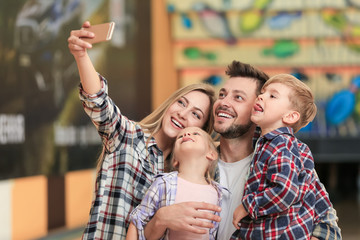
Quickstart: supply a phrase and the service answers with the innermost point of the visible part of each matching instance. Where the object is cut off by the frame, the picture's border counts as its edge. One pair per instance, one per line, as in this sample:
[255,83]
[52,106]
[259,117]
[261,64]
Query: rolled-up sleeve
[151,202]
[111,125]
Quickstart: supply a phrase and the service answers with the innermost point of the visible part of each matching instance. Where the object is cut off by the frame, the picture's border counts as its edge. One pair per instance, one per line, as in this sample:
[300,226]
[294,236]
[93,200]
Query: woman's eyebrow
[186,100]
[197,108]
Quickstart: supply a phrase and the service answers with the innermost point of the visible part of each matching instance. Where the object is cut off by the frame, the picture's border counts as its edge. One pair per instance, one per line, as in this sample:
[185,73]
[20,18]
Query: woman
[133,152]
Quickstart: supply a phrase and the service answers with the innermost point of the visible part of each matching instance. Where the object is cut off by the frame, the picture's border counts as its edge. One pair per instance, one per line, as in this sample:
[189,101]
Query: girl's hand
[76,45]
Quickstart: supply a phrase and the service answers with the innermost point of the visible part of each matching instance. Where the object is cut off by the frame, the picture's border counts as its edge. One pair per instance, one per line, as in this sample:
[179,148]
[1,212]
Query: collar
[282,130]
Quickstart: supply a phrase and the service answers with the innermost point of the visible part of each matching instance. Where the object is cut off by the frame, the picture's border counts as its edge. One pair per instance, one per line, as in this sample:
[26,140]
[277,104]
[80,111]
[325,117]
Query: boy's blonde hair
[301,99]
[210,173]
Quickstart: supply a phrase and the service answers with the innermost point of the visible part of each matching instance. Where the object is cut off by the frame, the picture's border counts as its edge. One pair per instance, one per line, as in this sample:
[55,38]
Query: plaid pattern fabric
[328,229]
[160,194]
[127,170]
[282,184]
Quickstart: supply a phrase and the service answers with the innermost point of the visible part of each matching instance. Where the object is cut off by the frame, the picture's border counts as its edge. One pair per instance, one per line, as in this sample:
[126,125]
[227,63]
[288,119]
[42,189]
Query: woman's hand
[76,45]
[88,75]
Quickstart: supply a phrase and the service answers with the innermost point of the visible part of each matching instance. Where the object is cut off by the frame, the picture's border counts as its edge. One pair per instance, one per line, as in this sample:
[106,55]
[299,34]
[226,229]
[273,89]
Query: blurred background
[49,147]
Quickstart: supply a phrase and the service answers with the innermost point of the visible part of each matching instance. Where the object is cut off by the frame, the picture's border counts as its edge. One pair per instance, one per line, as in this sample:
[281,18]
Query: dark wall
[43,128]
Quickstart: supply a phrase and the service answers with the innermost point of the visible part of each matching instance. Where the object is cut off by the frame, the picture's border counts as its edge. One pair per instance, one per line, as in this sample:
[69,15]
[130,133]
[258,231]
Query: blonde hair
[301,99]
[210,173]
[153,121]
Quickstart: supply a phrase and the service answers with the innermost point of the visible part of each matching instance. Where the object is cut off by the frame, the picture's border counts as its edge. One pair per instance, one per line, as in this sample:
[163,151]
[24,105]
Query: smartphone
[103,32]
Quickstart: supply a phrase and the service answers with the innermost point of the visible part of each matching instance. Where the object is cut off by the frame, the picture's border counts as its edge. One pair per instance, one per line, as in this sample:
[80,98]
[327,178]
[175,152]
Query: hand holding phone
[103,32]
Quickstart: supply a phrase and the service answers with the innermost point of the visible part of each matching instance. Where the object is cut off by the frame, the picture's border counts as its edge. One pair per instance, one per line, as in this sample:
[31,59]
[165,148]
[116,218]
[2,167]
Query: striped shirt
[163,193]
[283,196]
[128,167]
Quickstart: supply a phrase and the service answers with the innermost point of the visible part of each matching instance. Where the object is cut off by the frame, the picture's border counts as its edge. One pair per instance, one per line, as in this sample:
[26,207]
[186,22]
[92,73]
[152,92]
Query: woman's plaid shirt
[283,196]
[127,169]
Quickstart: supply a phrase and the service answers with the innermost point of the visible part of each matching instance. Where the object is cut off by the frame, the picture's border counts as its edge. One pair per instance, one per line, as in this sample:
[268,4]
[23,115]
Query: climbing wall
[316,41]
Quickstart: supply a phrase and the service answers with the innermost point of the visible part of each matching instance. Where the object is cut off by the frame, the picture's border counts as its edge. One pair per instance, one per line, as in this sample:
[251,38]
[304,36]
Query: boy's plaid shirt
[127,170]
[283,196]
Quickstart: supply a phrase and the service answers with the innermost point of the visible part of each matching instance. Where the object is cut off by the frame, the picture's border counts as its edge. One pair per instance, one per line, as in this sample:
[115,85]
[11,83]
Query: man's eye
[196,133]
[221,95]
[239,97]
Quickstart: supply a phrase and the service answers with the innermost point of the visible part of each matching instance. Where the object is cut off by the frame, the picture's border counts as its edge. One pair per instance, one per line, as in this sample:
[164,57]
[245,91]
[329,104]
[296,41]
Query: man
[232,112]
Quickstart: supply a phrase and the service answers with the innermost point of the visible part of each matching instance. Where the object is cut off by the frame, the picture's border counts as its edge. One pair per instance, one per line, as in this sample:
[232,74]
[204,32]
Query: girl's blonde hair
[153,122]
[301,99]
[210,174]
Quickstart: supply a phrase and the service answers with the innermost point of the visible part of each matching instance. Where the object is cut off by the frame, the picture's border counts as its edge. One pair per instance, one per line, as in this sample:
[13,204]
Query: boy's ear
[291,117]
[212,155]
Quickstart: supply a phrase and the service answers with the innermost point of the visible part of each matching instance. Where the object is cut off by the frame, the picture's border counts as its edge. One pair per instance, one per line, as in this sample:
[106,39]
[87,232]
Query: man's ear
[212,155]
[291,118]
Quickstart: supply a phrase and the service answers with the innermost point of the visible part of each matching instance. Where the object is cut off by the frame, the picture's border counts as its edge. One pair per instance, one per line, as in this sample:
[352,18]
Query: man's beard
[236,131]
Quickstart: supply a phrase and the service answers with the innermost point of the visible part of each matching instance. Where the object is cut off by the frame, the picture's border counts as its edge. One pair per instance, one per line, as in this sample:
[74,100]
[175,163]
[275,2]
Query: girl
[133,153]
[195,157]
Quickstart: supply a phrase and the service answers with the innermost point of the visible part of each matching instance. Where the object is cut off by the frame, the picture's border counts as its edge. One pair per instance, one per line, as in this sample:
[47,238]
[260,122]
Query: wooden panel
[79,186]
[29,208]
[164,80]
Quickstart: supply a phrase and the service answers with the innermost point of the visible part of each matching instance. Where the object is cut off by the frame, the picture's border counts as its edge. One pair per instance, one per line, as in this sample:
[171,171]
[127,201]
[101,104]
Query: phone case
[103,32]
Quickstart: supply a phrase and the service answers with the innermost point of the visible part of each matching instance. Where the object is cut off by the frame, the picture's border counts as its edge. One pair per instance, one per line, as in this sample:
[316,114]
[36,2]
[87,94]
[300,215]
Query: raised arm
[78,48]
[182,216]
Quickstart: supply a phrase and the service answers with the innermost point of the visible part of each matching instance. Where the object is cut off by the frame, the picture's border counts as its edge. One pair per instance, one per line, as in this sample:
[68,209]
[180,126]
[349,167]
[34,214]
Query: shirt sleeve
[111,125]
[143,213]
[326,228]
[283,189]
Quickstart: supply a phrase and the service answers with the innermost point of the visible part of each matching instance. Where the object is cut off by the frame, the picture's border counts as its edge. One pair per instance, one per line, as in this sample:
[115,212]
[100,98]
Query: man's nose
[225,102]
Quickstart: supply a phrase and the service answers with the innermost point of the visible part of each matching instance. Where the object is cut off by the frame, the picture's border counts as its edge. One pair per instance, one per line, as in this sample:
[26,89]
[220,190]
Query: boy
[283,197]
[195,157]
